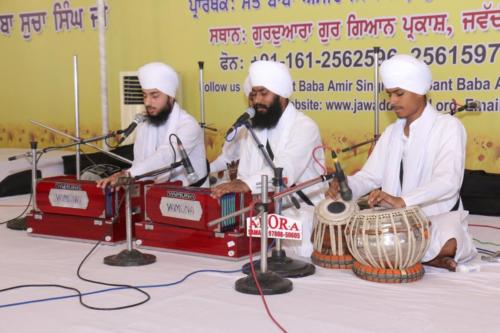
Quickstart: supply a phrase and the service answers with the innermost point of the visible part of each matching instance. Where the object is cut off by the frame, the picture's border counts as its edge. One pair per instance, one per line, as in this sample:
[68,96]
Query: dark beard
[162,116]
[270,118]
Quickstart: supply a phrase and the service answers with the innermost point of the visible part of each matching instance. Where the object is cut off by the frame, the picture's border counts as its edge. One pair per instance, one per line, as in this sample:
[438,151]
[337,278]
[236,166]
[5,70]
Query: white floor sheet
[328,301]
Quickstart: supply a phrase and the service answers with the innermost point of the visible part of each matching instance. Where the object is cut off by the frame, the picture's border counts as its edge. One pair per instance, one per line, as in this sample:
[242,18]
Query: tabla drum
[329,242]
[388,244]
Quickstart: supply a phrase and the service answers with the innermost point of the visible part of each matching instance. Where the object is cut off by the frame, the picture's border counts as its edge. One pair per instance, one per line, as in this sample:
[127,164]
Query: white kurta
[230,151]
[292,142]
[152,149]
[433,162]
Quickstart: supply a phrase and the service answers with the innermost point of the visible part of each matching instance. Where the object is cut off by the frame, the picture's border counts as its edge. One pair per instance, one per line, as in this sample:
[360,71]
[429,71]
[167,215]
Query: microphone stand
[20,222]
[202,99]
[87,141]
[279,262]
[357,145]
[376,113]
[159,171]
[270,282]
[259,144]
[77,114]
[285,192]
[268,159]
[66,145]
[131,256]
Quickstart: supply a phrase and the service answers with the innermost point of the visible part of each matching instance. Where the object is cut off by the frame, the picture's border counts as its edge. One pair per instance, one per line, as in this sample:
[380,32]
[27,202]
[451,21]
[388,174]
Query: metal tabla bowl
[388,244]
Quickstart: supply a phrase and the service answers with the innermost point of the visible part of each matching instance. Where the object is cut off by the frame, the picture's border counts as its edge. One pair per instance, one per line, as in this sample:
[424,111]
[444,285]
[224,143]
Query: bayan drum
[388,244]
[329,243]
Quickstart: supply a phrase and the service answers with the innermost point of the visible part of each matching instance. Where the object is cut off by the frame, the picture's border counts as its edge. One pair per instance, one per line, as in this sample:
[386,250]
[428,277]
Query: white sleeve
[219,164]
[188,132]
[245,172]
[448,168]
[297,155]
[371,174]
[294,158]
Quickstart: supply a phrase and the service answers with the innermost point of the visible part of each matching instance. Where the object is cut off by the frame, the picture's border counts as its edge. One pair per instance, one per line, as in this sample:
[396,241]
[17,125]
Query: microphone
[345,190]
[471,106]
[186,162]
[16,157]
[139,118]
[249,113]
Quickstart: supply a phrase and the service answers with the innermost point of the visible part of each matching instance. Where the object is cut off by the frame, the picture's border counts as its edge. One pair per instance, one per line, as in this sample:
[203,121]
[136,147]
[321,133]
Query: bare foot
[443,262]
[445,257]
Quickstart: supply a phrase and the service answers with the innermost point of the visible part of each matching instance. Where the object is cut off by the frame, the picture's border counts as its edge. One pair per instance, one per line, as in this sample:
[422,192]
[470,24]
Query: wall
[460,42]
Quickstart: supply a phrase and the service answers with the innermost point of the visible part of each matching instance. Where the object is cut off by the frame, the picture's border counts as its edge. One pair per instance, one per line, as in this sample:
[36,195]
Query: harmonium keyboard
[176,218]
[77,209]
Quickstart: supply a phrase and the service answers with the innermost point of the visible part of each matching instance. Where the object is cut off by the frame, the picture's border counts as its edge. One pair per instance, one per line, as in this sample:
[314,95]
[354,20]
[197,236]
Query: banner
[329,45]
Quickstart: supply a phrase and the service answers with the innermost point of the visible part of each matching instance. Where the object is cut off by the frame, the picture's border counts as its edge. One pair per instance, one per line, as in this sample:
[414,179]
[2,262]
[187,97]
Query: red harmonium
[77,209]
[176,218]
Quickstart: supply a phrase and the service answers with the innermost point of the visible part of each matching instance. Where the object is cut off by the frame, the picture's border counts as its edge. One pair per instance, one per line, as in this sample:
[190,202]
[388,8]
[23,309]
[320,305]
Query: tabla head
[335,212]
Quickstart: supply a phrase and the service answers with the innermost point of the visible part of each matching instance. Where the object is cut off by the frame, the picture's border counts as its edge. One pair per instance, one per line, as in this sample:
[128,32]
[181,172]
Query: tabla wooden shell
[329,243]
[388,244]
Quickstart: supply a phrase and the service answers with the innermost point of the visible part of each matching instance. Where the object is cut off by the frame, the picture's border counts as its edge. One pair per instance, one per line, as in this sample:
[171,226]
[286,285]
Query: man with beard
[419,160]
[290,137]
[164,116]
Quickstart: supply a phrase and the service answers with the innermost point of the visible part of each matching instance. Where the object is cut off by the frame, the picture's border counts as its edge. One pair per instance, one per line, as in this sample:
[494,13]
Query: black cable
[44,285]
[114,289]
[110,145]
[29,202]
[79,293]
[148,297]
[88,157]
[22,213]
[171,145]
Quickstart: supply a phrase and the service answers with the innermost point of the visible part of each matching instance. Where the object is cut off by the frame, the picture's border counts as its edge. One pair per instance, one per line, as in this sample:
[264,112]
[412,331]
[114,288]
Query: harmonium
[176,218]
[76,209]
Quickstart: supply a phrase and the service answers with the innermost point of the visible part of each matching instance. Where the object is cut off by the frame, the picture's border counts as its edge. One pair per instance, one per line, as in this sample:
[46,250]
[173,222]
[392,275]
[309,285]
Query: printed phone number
[465,55]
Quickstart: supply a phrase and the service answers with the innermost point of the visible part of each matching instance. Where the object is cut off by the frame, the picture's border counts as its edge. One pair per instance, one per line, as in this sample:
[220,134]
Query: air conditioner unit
[131,101]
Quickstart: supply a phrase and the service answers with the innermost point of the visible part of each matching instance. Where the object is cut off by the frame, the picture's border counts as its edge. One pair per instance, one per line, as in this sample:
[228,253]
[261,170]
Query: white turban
[272,75]
[157,75]
[247,87]
[406,72]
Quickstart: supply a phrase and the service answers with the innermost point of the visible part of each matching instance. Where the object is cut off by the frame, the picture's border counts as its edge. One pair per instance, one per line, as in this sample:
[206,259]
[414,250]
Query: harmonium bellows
[177,218]
[193,207]
[77,209]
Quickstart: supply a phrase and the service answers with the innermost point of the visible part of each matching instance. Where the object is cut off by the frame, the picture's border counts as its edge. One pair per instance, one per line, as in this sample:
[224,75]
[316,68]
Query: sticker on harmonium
[278,226]
[68,198]
[180,208]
